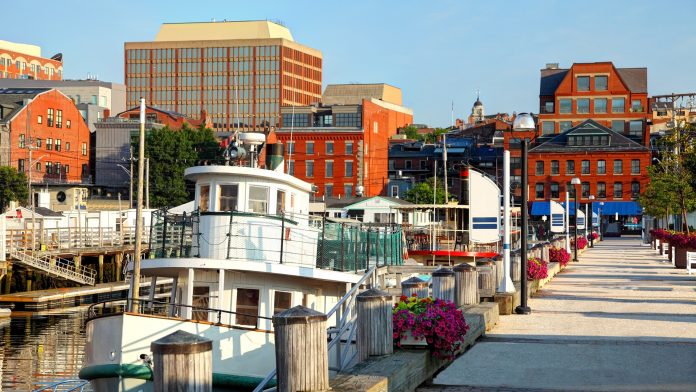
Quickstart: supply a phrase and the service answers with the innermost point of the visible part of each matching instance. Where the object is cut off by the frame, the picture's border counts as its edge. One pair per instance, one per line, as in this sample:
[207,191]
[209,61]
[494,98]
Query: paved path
[620,320]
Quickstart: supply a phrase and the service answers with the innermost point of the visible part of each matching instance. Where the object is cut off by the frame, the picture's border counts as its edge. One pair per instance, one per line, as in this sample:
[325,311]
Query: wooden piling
[8,279]
[182,362]
[443,284]
[374,323]
[118,260]
[414,285]
[465,285]
[101,268]
[302,358]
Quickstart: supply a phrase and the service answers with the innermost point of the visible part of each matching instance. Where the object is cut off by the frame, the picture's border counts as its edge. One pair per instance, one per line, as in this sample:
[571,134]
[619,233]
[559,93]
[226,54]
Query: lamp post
[599,219]
[524,122]
[543,219]
[575,182]
[591,220]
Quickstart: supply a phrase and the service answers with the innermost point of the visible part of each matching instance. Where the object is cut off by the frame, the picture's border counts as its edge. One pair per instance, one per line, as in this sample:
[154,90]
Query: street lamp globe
[523,122]
[575,181]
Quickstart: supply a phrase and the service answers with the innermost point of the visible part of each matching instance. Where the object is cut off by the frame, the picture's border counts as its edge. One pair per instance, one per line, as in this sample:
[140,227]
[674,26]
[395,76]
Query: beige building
[353,94]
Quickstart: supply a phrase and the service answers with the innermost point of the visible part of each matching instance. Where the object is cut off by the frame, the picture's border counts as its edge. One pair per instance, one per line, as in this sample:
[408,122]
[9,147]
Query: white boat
[248,251]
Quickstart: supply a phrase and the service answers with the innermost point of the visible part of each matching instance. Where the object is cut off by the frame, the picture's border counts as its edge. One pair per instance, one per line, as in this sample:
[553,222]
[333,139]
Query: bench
[690,259]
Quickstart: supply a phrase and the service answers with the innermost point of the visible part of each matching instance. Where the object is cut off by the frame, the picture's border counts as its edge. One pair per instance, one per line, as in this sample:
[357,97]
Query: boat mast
[135,276]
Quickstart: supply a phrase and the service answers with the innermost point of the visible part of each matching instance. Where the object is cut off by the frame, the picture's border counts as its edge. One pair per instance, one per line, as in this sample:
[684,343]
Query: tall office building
[24,61]
[239,72]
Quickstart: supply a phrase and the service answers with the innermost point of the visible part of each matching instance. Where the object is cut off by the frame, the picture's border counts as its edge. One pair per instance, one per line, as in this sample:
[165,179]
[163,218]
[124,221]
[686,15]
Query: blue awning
[625,208]
[541,208]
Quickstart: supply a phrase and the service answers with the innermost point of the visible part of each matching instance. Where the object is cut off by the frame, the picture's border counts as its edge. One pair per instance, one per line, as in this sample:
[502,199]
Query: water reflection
[38,348]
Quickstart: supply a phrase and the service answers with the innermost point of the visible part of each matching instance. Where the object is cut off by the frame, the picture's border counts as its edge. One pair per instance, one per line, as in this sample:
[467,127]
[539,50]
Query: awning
[625,208]
[541,208]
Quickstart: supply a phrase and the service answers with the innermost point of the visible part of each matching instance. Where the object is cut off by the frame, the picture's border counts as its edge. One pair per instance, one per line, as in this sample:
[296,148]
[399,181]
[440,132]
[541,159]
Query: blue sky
[435,51]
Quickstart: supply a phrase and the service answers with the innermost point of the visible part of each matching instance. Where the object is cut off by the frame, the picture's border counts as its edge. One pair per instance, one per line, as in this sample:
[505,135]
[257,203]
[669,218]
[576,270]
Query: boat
[248,250]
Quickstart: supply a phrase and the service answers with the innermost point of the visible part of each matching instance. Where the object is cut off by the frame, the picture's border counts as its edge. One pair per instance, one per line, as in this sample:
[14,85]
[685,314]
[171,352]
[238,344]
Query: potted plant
[559,255]
[437,324]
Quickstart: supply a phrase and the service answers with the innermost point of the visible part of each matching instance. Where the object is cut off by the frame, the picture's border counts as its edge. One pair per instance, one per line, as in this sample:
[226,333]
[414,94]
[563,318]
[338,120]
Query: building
[239,72]
[47,122]
[664,116]
[95,99]
[375,210]
[342,147]
[611,166]
[24,61]
[167,118]
[616,98]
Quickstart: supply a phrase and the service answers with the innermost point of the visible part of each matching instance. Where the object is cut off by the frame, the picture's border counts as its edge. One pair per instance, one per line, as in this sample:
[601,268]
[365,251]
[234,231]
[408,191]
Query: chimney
[107,113]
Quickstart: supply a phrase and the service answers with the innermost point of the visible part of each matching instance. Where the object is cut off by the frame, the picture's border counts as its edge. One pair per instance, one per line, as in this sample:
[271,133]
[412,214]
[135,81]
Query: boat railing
[174,310]
[437,238]
[66,386]
[341,336]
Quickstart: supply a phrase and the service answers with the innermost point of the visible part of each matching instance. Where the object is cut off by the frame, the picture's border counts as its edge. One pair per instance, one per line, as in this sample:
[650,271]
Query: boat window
[247,307]
[203,198]
[200,302]
[228,197]
[282,301]
[258,199]
[280,203]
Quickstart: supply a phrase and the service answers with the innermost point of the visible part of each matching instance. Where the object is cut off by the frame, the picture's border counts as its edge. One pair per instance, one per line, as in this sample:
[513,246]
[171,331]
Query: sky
[439,52]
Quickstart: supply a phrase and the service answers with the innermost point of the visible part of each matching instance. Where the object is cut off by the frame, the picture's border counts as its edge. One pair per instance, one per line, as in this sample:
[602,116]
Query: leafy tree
[422,193]
[411,132]
[13,186]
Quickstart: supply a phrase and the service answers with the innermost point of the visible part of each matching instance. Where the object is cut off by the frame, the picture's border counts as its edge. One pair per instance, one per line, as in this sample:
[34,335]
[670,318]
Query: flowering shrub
[537,269]
[680,240]
[582,242]
[559,255]
[660,234]
[439,322]
[593,236]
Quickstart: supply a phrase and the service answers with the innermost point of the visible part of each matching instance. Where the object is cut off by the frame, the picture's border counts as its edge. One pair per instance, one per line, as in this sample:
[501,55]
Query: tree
[422,193]
[411,132]
[13,186]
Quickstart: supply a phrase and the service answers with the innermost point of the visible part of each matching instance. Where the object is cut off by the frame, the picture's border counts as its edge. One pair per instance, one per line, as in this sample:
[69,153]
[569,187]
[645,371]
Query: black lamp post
[601,204]
[575,182]
[524,122]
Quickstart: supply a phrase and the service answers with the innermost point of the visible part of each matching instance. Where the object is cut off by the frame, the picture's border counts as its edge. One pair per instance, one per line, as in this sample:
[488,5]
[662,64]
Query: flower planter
[408,341]
[680,256]
[669,254]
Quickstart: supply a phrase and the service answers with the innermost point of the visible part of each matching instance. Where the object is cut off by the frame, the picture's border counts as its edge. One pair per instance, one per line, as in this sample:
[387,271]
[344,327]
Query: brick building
[343,144]
[48,122]
[23,61]
[239,72]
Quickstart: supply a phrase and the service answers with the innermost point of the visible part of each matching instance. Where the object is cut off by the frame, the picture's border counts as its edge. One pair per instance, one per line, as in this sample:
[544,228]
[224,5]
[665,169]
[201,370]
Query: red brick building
[23,61]
[168,118]
[343,146]
[48,122]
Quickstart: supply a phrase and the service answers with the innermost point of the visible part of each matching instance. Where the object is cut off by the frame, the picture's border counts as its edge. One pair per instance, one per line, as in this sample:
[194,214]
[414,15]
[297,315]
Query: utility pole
[135,276]
[147,183]
[30,163]
[130,191]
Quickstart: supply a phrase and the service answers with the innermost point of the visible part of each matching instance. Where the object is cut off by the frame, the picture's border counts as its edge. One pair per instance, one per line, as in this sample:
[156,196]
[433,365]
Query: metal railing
[435,238]
[58,239]
[343,331]
[66,386]
[56,266]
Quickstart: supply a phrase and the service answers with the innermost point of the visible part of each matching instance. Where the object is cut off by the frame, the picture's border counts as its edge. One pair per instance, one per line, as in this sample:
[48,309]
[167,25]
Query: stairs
[55,266]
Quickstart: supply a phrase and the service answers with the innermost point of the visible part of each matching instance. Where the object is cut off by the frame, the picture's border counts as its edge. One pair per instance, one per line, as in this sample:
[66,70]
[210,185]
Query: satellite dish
[252,138]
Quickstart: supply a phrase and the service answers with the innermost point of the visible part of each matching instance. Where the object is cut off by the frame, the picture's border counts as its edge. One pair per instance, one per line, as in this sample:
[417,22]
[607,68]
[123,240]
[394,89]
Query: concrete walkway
[620,320]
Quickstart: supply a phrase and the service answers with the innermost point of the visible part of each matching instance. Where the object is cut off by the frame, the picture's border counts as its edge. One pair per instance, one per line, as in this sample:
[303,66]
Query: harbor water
[41,348]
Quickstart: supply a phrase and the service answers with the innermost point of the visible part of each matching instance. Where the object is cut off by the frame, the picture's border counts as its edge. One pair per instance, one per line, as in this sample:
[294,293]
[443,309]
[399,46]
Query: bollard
[374,324]
[443,284]
[466,285]
[182,362]
[302,358]
[486,278]
[414,285]
[515,269]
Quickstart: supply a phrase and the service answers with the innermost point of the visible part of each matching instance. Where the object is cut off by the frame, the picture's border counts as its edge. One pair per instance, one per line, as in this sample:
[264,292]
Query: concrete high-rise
[240,73]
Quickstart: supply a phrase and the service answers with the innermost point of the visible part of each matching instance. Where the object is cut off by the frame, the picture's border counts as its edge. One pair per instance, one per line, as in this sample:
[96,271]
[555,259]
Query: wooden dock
[76,296]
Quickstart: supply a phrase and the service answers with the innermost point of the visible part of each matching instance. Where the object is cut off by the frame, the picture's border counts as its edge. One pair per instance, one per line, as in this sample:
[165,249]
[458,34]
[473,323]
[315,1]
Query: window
[635,128]
[408,165]
[618,166]
[56,168]
[600,83]
[635,189]
[618,190]
[585,186]
[93,101]
[49,168]
[67,146]
[635,166]
[84,149]
[571,189]
[348,119]
[601,190]
[49,144]
[328,172]
[600,105]
[566,106]
[349,169]
[203,198]
[49,118]
[310,147]
[102,100]
[601,166]
[67,169]
[394,191]
[258,199]
[291,147]
[39,119]
[329,148]
[539,188]
[548,107]
[328,190]
[85,169]
[515,163]
[280,202]
[618,105]
[20,165]
[22,143]
[539,168]
[636,106]
[228,197]
[57,144]
[282,300]
[554,190]
[583,83]
[548,127]
[585,167]
[68,123]
[423,164]
[38,166]
[349,148]
[247,307]
[565,125]
[348,189]
[291,168]
[555,168]
[59,118]
[309,169]
[570,167]
[583,105]
[38,142]
[617,126]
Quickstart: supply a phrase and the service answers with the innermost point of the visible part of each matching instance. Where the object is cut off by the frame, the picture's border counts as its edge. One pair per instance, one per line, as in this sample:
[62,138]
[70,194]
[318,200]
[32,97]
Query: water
[39,348]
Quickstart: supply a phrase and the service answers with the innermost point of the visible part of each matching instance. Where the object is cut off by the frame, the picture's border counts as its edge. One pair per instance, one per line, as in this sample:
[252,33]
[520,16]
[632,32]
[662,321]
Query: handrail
[80,386]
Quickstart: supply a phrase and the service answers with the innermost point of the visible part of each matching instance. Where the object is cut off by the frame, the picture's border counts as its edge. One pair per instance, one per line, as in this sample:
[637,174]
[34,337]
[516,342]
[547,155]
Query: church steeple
[477,111]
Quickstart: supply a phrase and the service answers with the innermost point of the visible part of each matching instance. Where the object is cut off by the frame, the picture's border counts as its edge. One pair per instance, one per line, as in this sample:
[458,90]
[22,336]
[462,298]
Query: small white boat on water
[247,251]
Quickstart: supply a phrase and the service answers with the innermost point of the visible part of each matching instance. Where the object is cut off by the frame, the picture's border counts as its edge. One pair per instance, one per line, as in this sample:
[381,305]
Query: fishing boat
[247,250]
